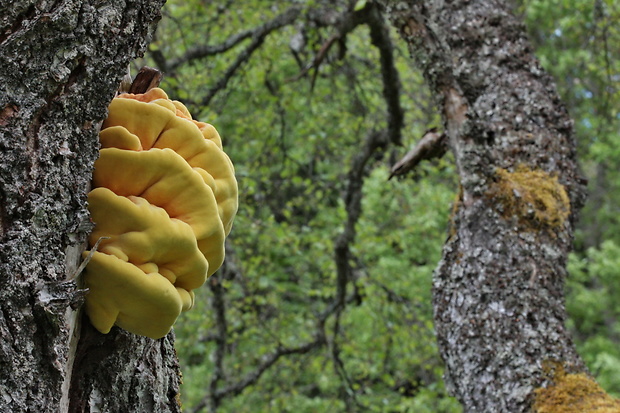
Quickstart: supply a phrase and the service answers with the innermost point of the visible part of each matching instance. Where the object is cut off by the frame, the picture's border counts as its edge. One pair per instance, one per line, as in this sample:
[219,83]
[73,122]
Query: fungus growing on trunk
[165,195]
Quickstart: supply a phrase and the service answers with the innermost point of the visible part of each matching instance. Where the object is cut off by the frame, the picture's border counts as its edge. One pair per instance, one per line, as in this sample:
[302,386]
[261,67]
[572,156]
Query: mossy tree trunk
[60,65]
[498,290]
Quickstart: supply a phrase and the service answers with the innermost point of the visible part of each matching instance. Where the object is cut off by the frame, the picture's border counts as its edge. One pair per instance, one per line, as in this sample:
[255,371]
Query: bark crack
[17,24]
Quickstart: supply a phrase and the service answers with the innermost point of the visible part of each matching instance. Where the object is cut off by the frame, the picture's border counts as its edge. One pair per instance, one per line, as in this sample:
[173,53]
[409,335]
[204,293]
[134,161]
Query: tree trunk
[60,65]
[498,290]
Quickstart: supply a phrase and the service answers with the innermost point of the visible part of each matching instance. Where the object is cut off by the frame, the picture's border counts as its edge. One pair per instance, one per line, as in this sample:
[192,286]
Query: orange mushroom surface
[165,196]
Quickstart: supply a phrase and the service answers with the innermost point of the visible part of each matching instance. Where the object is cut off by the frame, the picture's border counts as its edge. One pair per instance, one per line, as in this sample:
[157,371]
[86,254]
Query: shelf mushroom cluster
[165,195]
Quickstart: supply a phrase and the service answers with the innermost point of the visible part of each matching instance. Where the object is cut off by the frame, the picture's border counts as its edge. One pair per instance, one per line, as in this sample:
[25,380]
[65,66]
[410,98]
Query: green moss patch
[534,197]
[574,393]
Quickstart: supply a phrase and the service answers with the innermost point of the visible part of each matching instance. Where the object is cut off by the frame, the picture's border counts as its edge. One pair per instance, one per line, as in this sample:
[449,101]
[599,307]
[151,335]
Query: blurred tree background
[324,302]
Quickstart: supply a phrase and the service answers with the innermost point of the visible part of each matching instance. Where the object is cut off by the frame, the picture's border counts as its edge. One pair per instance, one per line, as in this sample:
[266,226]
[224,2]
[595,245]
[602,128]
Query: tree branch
[342,252]
[221,338]
[199,52]
[216,395]
[266,362]
[257,36]
[380,38]
[432,145]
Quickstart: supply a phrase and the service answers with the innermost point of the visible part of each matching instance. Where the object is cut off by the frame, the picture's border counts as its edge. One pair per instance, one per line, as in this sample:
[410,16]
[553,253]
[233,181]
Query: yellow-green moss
[534,197]
[574,393]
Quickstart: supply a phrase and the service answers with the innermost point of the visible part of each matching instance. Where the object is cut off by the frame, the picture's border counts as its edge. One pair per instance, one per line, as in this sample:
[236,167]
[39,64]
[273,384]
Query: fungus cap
[165,196]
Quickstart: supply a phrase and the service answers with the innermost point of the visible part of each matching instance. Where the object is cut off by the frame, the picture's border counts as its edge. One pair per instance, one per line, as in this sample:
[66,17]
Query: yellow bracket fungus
[534,197]
[165,196]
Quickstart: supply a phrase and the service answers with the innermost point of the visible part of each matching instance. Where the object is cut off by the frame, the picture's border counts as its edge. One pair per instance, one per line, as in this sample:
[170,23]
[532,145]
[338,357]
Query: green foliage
[594,306]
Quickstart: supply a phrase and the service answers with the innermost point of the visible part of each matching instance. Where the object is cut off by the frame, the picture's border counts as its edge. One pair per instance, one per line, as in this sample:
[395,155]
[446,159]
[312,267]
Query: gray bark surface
[498,290]
[60,65]
[122,372]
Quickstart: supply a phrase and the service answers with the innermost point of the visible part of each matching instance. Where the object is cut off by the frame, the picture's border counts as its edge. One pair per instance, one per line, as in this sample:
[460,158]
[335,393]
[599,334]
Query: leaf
[359,5]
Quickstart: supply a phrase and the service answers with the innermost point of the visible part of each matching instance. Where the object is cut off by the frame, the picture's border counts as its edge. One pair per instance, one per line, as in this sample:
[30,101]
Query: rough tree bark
[60,65]
[498,290]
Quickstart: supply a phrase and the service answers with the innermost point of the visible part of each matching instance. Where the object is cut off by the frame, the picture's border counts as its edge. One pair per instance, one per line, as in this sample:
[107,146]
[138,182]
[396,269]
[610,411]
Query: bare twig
[146,79]
[213,398]
[343,25]
[318,59]
[258,36]
[380,38]
[262,31]
[432,145]
[88,258]
[266,362]
[342,252]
